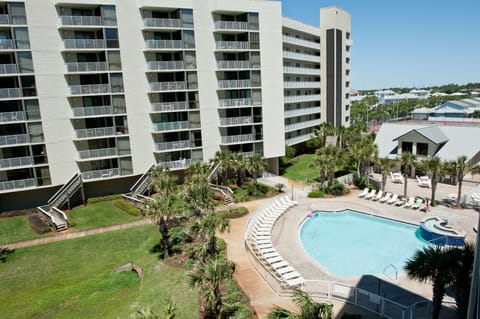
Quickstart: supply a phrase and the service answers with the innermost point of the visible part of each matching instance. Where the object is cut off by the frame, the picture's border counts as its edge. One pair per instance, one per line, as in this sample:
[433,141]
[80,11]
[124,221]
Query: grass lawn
[300,171]
[76,279]
[98,215]
[14,229]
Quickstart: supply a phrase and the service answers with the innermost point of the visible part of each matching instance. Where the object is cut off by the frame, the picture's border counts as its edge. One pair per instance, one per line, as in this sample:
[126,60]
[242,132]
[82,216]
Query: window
[422,149]
[407,147]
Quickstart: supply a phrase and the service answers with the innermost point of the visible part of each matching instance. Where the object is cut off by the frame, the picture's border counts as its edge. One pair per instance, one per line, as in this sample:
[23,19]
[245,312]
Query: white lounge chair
[418,203]
[385,198]
[371,194]
[289,201]
[410,202]
[396,177]
[379,195]
[295,282]
[393,199]
[400,202]
[364,193]
[424,181]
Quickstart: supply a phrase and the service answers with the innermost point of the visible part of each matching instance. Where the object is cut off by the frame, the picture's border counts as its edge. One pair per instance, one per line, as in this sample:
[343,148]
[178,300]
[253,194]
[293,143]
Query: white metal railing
[240,64]
[171,126]
[95,132]
[165,65]
[162,23]
[178,164]
[168,86]
[101,152]
[4,19]
[84,43]
[237,138]
[20,183]
[12,116]
[103,173]
[302,42]
[248,154]
[15,161]
[164,44]
[301,56]
[89,89]
[8,68]
[231,25]
[172,145]
[300,112]
[92,110]
[235,102]
[10,93]
[236,120]
[300,125]
[301,98]
[234,84]
[300,84]
[169,106]
[81,20]
[241,45]
[86,66]
[298,139]
[6,44]
[296,70]
[14,139]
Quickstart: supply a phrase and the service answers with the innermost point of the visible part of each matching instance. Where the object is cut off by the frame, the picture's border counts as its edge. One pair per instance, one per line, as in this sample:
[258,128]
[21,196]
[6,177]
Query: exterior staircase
[225,191]
[137,191]
[213,170]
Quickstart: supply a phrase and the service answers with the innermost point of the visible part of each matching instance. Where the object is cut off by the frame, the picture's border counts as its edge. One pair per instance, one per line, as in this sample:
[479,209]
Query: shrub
[317,193]
[4,252]
[235,212]
[336,188]
[126,207]
[105,198]
[38,224]
[360,182]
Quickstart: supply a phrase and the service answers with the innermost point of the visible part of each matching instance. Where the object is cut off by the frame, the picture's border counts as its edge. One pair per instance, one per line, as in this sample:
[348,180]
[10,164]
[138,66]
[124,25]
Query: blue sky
[405,43]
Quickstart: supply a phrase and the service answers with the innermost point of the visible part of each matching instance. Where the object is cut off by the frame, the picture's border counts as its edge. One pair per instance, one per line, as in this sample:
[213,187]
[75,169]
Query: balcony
[12,117]
[301,84]
[235,139]
[81,20]
[301,98]
[168,86]
[301,125]
[10,93]
[6,44]
[167,146]
[104,173]
[171,126]
[301,42]
[96,153]
[231,25]
[98,132]
[233,64]
[178,164]
[234,84]
[8,69]
[295,70]
[232,45]
[89,89]
[92,111]
[86,66]
[235,102]
[301,56]
[300,112]
[14,139]
[241,120]
[16,162]
[298,139]
[20,183]
[164,44]
[165,65]
[84,44]
[170,106]
[162,23]
[4,19]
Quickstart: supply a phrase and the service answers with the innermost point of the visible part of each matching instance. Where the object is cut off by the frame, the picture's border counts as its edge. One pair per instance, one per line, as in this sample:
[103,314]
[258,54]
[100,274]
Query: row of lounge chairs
[260,238]
[394,199]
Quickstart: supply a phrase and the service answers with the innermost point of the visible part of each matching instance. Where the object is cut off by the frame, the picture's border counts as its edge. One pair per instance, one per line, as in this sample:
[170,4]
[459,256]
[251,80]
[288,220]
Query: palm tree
[209,277]
[309,309]
[328,160]
[462,268]
[197,193]
[461,167]
[432,263]
[362,152]
[325,129]
[386,166]
[169,312]
[407,160]
[224,161]
[437,169]
[162,181]
[206,228]
[239,164]
[255,165]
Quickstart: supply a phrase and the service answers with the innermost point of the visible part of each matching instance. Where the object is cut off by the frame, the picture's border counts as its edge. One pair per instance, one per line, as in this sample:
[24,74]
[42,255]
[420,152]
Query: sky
[405,43]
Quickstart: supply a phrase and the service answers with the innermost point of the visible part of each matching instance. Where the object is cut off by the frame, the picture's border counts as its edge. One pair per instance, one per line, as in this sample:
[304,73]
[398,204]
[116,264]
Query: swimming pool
[349,243]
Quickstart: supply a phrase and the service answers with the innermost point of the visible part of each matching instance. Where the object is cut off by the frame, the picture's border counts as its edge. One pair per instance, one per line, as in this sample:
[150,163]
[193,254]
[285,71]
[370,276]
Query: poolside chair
[379,195]
[371,194]
[385,198]
[365,192]
[393,199]
[400,202]
[424,181]
[295,282]
[280,264]
[418,203]
[396,177]
[288,200]
[410,202]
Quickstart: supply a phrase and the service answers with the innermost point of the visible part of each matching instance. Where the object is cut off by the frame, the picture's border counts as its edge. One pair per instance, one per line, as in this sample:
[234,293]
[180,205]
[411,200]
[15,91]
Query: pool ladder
[390,266]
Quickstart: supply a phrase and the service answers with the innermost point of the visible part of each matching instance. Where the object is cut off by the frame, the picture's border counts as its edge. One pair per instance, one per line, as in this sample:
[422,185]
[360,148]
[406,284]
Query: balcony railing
[301,56]
[6,44]
[295,70]
[302,42]
[81,20]
[16,162]
[231,25]
[10,93]
[84,44]
[171,126]
[300,125]
[92,110]
[165,65]
[104,173]
[20,183]
[233,45]
[172,145]
[4,19]
[178,164]
[101,152]
[233,64]
[169,106]
[96,132]
[89,89]
[301,84]
[234,84]
[168,86]
[300,112]
[237,139]
[235,102]
[162,23]
[164,44]
[8,68]
[12,116]
[241,120]
[298,139]
[301,98]
[86,66]
[14,139]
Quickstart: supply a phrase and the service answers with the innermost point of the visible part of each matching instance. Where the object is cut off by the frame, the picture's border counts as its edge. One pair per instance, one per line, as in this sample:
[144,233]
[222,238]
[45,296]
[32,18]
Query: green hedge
[317,193]
[38,224]
[126,207]
[105,198]
[235,212]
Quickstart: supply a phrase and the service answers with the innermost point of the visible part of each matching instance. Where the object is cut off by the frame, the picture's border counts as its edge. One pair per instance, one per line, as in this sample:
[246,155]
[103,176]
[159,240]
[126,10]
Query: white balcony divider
[170,126]
[300,112]
[101,152]
[295,70]
[248,154]
[4,19]
[84,43]
[164,44]
[237,138]
[165,65]
[16,162]
[241,64]
[168,86]
[12,116]
[10,93]
[235,102]
[301,56]
[162,23]
[231,25]
[233,45]
[6,44]
[172,145]
[178,164]
[8,68]
[95,132]
[92,110]
[302,42]
[169,106]
[81,20]
[20,183]
[103,173]
[86,66]
[300,125]
[301,98]
[241,120]
[14,139]
[89,89]
[298,139]
[301,84]
[234,84]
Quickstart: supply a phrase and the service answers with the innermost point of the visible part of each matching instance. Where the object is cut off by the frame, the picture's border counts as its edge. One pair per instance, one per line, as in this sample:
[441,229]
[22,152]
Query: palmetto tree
[325,129]
[386,165]
[197,193]
[206,227]
[163,182]
[437,170]
[255,165]
[407,160]
[461,167]
[239,165]
[363,151]
[308,309]
[328,160]
[224,161]
[463,265]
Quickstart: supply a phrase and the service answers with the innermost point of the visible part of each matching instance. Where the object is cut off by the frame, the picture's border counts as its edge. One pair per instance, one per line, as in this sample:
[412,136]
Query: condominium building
[99,91]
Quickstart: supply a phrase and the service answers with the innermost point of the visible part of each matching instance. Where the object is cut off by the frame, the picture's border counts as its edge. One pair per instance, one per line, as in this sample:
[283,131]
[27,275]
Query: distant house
[451,110]
[381,95]
[389,97]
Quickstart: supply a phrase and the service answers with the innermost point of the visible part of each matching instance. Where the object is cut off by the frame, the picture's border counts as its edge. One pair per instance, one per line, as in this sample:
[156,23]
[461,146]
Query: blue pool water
[349,243]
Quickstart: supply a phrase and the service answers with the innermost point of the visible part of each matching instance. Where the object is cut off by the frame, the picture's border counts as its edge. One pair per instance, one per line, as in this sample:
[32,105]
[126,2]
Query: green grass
[300,170]
[76,279]
[98,215]
[14,229]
